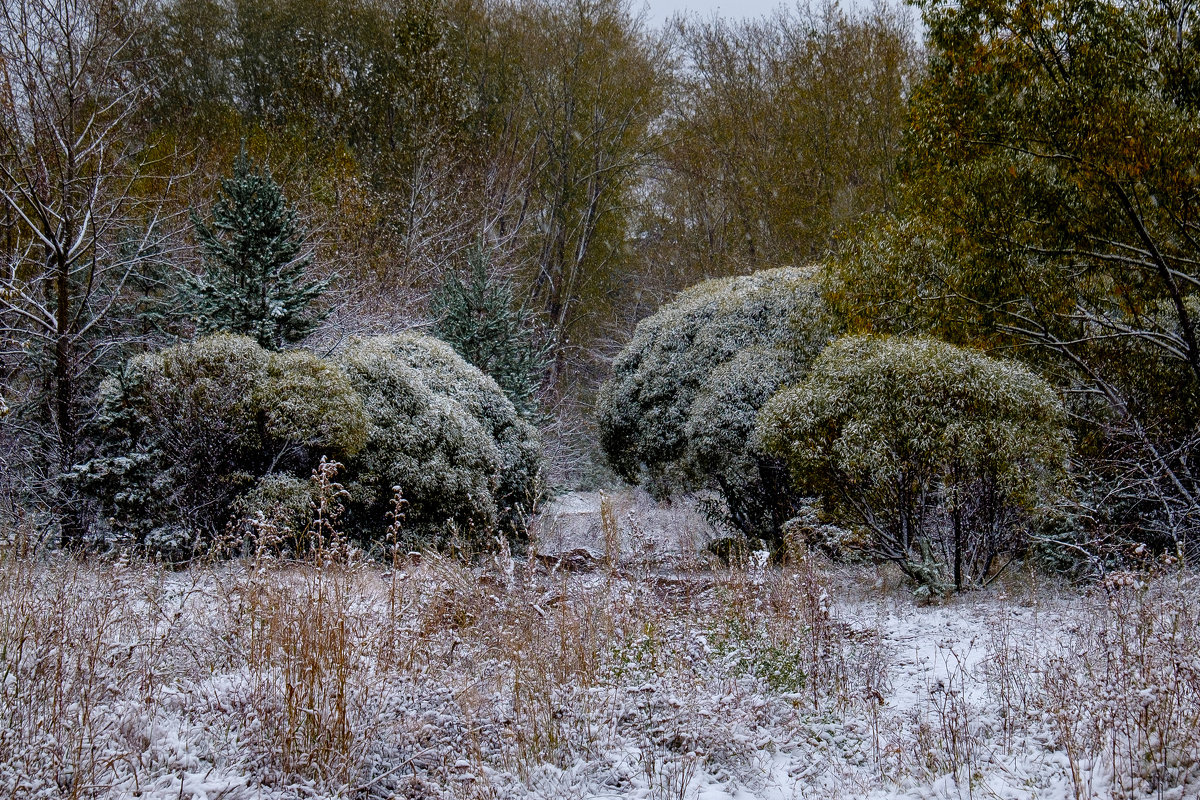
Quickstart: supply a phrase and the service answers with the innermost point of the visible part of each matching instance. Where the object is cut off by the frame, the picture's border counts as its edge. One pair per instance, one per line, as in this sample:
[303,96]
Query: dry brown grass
[327,674]
[326,670]
[1124,691]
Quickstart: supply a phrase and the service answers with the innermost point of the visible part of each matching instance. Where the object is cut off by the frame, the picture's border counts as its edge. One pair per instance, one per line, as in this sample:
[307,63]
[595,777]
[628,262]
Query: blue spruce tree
[253,282]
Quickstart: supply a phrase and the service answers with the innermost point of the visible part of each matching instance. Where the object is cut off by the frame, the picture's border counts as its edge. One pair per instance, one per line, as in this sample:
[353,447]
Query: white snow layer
[439,681]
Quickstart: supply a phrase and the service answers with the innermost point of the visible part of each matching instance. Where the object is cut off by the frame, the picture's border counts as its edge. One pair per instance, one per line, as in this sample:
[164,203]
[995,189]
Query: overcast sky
[660,10]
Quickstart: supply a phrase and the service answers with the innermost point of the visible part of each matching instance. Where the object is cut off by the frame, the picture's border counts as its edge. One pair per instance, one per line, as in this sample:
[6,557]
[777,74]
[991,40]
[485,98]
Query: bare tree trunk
[76,226]
[958,543]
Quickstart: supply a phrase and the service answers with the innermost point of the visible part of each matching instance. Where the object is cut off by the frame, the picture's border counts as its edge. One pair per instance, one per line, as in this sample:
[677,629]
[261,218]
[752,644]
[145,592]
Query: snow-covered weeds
[333,676]
[1124,694]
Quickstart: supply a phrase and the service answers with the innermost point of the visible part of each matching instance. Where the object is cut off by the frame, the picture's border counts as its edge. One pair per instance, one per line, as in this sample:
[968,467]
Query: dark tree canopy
[1052,203]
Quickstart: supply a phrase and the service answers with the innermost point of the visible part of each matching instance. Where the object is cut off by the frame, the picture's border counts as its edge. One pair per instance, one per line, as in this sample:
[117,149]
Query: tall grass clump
[1123,694]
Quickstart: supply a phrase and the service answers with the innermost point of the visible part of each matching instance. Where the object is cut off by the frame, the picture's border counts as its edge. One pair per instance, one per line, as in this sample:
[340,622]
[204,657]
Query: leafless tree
[78,200]
[592,83]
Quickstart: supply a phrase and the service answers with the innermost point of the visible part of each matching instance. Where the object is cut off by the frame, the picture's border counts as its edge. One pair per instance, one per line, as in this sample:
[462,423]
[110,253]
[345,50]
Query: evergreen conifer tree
[478,318]
[254,278]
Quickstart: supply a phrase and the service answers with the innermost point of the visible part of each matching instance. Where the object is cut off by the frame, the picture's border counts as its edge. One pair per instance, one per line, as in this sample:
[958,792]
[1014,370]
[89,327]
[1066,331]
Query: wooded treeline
[604,164]
[1026,185]
[1046,210]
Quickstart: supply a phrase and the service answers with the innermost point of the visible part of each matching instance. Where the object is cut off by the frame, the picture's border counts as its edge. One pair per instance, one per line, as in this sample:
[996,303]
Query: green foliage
[479,319]
[680,407]
[1050,202]
[254,280]
[444,434]
[942,457]
[182,432]
[749,649]
[408,91]
[378,76]
[206,432]
[278,501]
[189,44]
[783,667]
[309,402]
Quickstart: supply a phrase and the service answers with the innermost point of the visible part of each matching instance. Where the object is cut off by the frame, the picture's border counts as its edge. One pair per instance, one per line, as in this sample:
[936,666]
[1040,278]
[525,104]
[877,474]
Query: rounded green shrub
[182,432]
[679,410]
[309,402]
[279,500]
[942,458]
[445,435]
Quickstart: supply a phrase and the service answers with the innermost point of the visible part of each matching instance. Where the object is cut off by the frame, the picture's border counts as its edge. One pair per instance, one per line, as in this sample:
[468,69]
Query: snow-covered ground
[259,679]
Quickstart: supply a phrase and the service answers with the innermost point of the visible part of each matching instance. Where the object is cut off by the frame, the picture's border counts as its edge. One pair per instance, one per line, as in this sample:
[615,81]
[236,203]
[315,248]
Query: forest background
[602,164]
[1023,181]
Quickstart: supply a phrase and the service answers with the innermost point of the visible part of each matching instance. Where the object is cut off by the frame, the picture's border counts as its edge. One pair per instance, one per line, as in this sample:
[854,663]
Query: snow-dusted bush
[306,401]
[941,457]
[445,434]
[680,407]
[183,431]
[279,500]
[219,428]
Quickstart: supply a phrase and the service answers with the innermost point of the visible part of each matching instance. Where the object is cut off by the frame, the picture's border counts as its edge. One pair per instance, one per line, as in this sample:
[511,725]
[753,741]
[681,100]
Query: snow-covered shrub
[941,457]
[183,431]
[282,501]
[446,435]
[306,401]
[680,407]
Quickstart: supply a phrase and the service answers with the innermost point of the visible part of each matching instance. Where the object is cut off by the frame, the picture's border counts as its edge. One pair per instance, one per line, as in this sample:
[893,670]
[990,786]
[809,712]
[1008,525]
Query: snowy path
[940,710]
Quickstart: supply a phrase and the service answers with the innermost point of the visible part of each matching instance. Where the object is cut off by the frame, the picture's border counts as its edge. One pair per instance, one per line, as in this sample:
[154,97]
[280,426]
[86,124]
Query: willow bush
[184,431]
[443,434]
[941,458]
[207,433]
[679,411]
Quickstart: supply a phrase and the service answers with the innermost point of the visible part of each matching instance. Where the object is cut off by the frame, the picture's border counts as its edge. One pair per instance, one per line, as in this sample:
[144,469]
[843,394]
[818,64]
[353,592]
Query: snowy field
[267,679]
